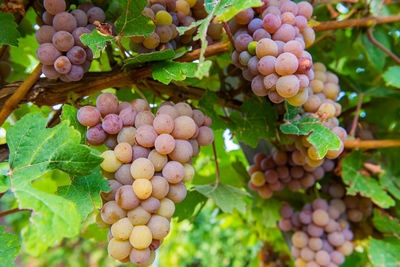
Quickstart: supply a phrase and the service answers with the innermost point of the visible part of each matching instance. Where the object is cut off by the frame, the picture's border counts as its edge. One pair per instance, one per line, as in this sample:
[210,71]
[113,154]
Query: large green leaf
[9,248]
[385,252]
[352,166]
[392,76]
[9,34]
[96,41]
[186,208]
[386,223]
[149,57]
[69,113]
[34,150]
[167,71]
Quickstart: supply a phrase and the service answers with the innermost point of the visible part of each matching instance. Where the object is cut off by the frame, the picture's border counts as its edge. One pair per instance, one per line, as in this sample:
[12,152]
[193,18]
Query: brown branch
[19,94]
[371,144]
[350,23]
[229,33]
[216,163]
[356,115]
[211,50]
[7,212]
[372,39]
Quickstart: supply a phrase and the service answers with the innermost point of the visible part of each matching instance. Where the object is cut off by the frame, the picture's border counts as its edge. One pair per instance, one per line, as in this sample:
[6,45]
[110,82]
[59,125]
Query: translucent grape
[266,47]
[88,116]
[158,159]
[206,136]
[271,23]
[140,152]
[288,86]
[151,204]
[76,55]
[142,188]
[45,34]
[122,229]
[123,174]
[286,64]
[163,124]
[118,249]
[141,237]
[62,65]
[285,33]
[159,226]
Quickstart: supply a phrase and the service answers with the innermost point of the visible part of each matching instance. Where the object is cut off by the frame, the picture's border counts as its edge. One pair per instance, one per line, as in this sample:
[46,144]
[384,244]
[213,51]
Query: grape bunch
[270,43]
[357,207]
[147,164]
[167,15]
[286,167]
[322,234]
[61,51]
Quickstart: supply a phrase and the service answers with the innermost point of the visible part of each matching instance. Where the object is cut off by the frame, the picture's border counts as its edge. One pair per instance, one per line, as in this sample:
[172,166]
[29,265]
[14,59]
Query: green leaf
[9,248]
[291,112]
[4,179]
[319,136]
[34,150]
[132,22]
[375,54]
[167,71]
[392,76]
[84,191]
[186,208]
[96,41]
[69,113]
[9,34]
[149,57]
[385,252]
[352,165]
[385,223]
[226,197]
[235,6]
[257,122]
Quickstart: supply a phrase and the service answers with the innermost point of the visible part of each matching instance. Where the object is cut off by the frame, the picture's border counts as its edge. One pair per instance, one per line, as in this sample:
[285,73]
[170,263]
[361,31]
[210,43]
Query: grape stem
[216,164]
[7,212]
[371,144]
[229,33]
[20,93]
[356,115]
[375,42]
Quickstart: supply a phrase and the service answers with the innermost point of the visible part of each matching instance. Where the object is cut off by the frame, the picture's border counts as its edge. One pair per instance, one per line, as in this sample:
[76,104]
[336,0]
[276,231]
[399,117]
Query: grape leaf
[385,223]
[84,191]
[186,208]
[69,113]
[232,7]
[167,71]
[291,112]
[149,57]
[96,41]
[375,55]
[319,136]
[4,181]
[257,122]
[9,34]
[352,165]
[9,248]
[132,22]
[226,197]
[392,76]
[385,252]
[390,178]
[35,149]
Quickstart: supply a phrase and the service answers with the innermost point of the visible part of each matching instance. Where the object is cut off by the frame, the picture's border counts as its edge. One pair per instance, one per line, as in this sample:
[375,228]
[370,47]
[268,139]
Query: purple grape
[112,124]
[76,73]
[96,135]
[76,55]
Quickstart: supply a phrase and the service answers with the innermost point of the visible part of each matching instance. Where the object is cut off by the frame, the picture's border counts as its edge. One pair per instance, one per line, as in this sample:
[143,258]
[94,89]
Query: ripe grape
[151,204]
[76,55]
[142,168]
[163,124]
[185,127]
[183,151]
[123,174]
[299,239]
[158,159]
[121,230]
[177,192]
[112,124]
[45,34]
[139,256]
[54,6]
[110,195]
[62,65]
[88,116]
[47,18]
[144,118]
[127,135]
[47,53]
[96,135]
[140,152]
[110,162]
[119,249]
[206,136]
[64,21]
[138,216]
[111,212]
[245,16]
[107,103]
[141,237]
[50,72]
[80,16]
[142,188]
[163,18]
[95,14]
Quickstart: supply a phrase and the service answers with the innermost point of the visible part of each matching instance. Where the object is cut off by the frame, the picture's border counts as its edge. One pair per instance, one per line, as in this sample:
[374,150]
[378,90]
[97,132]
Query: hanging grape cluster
[61,51]
[322,234]
[269,46]
[147,164]
[167,15]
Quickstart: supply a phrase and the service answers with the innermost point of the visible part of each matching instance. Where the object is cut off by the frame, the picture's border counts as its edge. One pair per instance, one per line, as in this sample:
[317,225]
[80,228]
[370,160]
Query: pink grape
[88,116]
[112,124]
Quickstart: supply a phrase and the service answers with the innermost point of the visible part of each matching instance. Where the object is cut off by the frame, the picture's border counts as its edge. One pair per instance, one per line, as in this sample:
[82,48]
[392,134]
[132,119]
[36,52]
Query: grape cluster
[61,51]
[357,207]
[322,235]
[167,15]
[147,165]
[287,167]
[270,43]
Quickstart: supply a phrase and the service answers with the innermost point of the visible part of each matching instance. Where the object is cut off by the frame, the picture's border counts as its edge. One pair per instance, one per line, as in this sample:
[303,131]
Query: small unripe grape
[258,178]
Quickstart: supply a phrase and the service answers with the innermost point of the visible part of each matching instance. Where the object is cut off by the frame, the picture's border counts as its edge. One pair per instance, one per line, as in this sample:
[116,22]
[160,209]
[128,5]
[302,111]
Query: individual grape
[320,203]
[107,103]
[111,212]
[163,124]
[124,105]
[64,21]
[110,162]
[326,109]
[142,188]
[183,6]
[54,6]
[322,258]
[164,144]
[299,239]
[286,64]
[314,230]
[307,181]
[160,187]
[288,86]
[177,192]
[127,135]
[307,254]
[47,18]
[270,80]
[189,172]
[110,195]
[289,6]
[185,127]
[183,151]
[286,211]
[260,34]
[164,33]
[331,90]
[184,109]
[123,174]
[111,141]
[305,217]
[163,18]
[45,34]
[266,47]
[95,135]
[47,53]
[142,168]
[293,47]
[242,41]
[244,58]
[167,208]
[77,34]
[146,136]
[245,16]
[271,176]
[121,230]
[138,216]
[320,217]
[128,116]
[95,14]
[50,72]
[206,136]
[288,18]
[80,17]
[62,65]
[140,152]
[285,33]
[271,23]
[152,41]
[88,116]
[254,25]
[112,124]
[151,204]
[76,55]
[257,86]
[123,151]
[173,172]
[346,249]
[159,226]
[144,118]
[298,99]
[158,160]
[312,104]
[266,65]
[315,243]
[257,178]
[140,256]
[119,249]
[309,36]
[141,237]
[169,110]
[285,224]
[305,9]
